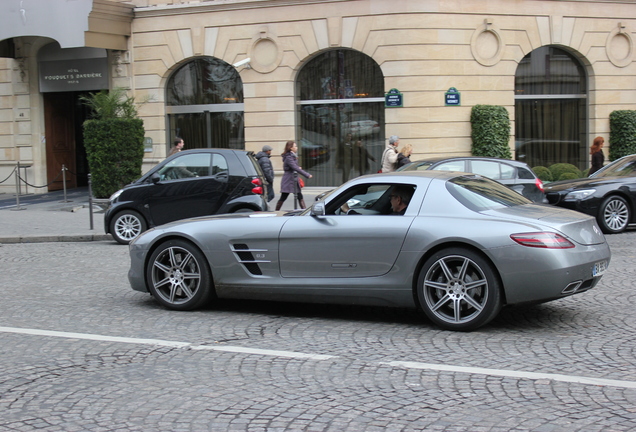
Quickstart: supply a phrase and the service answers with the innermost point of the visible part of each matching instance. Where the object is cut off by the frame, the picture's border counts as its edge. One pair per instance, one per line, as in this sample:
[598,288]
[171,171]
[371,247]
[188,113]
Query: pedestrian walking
[290,182]
[263,158]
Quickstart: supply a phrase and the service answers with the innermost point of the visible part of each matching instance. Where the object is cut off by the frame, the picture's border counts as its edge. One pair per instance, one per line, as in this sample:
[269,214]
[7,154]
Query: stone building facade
[248,73]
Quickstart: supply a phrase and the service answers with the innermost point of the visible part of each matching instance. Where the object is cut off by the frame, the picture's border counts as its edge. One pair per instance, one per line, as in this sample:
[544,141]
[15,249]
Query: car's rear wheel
[178,275]
[458,290]
[614,215]
[127,225]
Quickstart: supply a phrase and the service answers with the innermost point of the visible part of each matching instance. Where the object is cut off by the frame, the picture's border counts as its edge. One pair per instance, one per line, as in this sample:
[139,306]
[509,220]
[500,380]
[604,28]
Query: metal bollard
[17,189]
[64,182]
[90,199]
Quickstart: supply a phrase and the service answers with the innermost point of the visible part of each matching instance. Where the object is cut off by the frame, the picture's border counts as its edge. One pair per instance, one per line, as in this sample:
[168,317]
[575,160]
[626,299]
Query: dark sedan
[608,194]
[516,175]
[190,183]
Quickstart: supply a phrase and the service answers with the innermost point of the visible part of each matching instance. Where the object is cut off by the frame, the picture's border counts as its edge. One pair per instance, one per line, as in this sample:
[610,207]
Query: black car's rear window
[479,193]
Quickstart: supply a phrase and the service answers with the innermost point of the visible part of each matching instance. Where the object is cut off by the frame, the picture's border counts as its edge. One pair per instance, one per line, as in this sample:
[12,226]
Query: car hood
[574,225]
[577,184]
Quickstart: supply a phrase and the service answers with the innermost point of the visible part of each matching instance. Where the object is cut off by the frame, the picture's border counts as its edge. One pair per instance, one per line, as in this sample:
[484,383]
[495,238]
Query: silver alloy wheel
[455,289]
[176,275]
[128,226]
[616,214]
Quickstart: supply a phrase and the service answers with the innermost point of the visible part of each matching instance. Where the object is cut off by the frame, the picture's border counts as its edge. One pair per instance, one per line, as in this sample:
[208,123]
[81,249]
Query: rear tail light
[539,184]
[545,240]
[258,186]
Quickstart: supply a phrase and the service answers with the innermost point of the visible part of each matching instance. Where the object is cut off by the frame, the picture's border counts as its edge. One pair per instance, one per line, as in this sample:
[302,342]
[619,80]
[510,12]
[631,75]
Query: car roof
[446,158]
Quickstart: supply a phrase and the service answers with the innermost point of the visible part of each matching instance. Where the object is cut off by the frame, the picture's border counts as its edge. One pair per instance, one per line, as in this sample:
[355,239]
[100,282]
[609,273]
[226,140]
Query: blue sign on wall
[393,99]
[452,97]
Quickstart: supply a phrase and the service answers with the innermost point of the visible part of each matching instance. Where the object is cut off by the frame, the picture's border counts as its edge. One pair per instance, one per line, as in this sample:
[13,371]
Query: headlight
[579,195]
[114,196]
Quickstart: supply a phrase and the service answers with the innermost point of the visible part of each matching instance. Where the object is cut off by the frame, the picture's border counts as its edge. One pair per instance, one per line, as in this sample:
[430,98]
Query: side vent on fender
[245,256]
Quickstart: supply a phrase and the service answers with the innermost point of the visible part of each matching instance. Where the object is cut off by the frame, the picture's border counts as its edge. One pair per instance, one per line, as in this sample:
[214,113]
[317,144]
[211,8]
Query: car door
[190,185]
[343,245]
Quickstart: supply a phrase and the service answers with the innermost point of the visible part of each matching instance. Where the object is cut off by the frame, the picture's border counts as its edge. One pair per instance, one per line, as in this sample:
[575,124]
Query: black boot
[279,204]
[302,203]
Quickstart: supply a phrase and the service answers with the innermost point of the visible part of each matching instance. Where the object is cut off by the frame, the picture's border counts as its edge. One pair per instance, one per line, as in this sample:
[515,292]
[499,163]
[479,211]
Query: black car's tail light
[546,240]
[258,186]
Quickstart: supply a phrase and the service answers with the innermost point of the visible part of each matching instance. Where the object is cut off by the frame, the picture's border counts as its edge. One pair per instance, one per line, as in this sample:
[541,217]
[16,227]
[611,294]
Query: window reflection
[341,116]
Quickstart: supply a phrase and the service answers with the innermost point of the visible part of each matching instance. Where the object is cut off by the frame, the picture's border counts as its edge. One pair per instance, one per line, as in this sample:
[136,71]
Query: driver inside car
[400,197]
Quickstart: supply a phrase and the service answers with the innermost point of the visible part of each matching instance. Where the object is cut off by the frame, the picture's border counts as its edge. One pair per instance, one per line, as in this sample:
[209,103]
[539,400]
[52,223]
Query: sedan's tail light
[545,240]
[539,184]
[258,186]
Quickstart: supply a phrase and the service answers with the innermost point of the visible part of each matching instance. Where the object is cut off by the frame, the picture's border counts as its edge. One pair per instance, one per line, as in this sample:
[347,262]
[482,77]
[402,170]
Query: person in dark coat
[598,158]
[289,183]
[263,158]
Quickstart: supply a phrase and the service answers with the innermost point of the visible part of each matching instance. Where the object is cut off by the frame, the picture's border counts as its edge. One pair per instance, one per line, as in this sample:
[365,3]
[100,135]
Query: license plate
[599,268]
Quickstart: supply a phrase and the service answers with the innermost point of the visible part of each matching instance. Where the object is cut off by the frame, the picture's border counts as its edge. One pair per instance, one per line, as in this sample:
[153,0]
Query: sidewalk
[49,218]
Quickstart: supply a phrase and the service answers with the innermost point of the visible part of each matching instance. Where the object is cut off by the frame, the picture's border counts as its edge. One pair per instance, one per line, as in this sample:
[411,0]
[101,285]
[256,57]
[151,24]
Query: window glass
[340,116]
[370,199]
[451,166]
[550,129]
[507,171]
[486,168]
[525,174]
[622,168]
[480,194]
[204,102]
[185,166]
[219,164]
[204,81]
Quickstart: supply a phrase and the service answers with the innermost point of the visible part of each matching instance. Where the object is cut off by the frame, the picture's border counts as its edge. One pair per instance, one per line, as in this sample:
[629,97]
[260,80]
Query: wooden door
[60,139]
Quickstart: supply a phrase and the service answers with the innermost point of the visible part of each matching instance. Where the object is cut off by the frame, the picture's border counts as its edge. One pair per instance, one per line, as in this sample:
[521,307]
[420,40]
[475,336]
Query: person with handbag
[390,155]
[290,181]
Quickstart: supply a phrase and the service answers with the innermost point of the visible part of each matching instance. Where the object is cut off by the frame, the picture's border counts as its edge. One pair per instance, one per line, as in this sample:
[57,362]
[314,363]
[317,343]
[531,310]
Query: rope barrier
[9,176]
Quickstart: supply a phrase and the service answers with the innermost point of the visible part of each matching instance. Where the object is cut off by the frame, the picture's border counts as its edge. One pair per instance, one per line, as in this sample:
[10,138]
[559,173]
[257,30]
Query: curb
[56,238]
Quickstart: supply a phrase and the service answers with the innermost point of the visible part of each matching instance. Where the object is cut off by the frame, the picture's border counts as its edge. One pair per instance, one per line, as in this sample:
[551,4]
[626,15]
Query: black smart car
[609,195]
[190,183]
[516,175]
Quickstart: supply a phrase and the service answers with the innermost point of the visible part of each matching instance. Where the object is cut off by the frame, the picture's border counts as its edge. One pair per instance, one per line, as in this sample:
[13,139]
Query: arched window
[204,103]
[340,98]
[550,109]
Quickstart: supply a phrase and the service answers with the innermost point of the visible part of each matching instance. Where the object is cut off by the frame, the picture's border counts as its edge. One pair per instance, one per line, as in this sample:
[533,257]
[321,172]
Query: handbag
[301,182]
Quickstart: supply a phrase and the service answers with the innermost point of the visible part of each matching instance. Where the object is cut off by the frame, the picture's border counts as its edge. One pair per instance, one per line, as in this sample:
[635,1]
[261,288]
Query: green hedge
[490,131]
[559,169]
[115,152]
[622,138]
[543,173]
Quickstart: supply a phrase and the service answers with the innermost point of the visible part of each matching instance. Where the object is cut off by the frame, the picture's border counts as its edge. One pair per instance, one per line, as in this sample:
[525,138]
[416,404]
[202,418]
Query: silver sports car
[459,246]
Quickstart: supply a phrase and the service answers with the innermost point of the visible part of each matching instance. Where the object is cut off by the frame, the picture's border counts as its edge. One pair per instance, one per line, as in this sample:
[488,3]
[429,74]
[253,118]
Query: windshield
[480,193]
[625,167]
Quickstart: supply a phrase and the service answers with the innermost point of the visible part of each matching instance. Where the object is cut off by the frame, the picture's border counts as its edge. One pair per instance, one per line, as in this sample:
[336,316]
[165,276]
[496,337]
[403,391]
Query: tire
[127,225]
[178,276]
[459,290]
[614,215]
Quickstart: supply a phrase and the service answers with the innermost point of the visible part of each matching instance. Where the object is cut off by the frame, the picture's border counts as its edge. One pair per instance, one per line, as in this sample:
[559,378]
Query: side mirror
[155,178]
[318,209]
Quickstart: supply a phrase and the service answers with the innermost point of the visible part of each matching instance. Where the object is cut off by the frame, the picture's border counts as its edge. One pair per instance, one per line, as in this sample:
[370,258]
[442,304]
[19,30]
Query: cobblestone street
[80,351]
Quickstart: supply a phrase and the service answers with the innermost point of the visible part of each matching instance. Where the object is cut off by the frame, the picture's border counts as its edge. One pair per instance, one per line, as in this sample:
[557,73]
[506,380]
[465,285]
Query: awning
[72,23]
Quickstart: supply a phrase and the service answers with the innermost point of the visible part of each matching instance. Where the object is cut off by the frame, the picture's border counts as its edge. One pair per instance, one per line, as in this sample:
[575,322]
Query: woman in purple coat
[289,183]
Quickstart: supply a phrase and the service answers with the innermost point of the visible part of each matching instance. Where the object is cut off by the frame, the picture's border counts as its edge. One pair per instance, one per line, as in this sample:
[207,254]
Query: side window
[451,166]
[185,166]
[373,199]
[507,172]
[525,174]
[219,165]
[487,169]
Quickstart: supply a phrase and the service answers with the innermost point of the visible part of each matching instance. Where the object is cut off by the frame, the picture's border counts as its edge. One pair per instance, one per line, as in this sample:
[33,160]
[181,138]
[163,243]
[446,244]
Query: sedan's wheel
[458,290]
[613,216]
[178,275]
[126,226]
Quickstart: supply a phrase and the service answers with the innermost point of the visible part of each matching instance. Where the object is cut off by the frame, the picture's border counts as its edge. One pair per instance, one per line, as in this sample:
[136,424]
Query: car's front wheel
[127,225]
[178,275]
[458,290]
[614,215]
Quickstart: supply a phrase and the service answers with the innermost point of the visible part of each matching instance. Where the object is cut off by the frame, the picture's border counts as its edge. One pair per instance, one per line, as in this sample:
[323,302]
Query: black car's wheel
[178,275]
[127,225]
[458,290]
[614,215]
